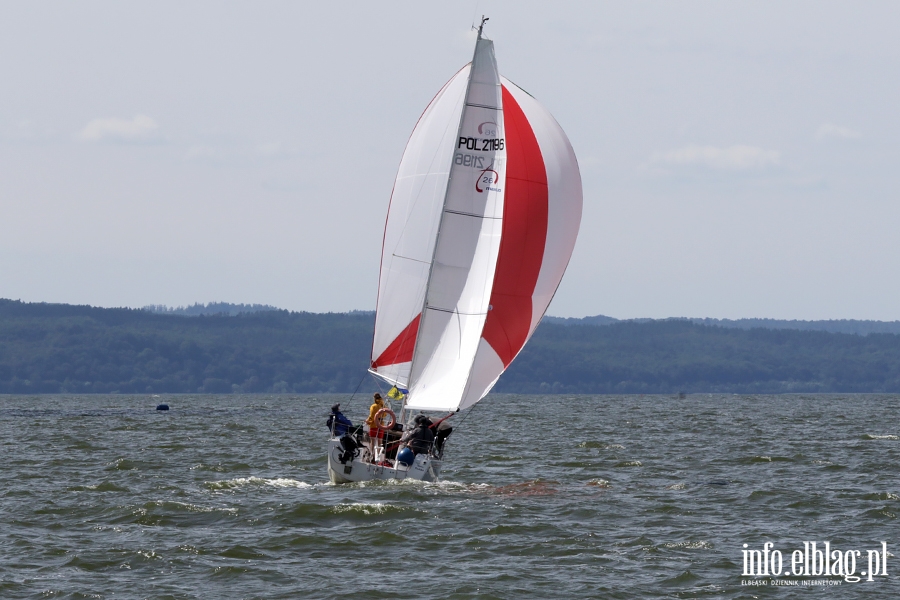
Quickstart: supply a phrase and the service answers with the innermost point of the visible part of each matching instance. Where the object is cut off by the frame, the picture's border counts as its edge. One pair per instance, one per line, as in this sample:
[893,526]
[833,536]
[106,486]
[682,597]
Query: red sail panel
[525,213]
[401,349]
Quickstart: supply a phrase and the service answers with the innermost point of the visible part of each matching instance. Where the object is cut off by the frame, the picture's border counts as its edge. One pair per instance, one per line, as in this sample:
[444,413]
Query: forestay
[482,222]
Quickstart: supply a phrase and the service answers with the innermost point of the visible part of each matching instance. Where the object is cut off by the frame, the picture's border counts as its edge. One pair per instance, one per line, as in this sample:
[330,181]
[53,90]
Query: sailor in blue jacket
[337,422]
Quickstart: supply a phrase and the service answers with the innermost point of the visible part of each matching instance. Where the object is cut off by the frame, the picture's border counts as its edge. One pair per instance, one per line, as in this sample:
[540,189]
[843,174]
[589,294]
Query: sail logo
[816,559]
[488,128]
[486,180]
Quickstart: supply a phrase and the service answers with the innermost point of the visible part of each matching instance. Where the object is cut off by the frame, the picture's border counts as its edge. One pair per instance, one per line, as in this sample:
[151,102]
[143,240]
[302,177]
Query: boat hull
[425,468]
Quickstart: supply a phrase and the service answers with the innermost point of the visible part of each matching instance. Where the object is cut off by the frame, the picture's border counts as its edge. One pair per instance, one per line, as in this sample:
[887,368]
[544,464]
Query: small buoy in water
[162,407]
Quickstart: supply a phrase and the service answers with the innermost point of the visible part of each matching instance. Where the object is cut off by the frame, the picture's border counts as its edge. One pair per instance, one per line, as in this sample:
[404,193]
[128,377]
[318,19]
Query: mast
[423,312]
[484,20]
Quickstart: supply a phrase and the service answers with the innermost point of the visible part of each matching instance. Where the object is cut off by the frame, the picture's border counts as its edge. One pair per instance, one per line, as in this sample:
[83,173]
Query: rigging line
[467,214]
[378,383]
[380,387]
[359,385]
[384,394]
[424,262]
[455,311]
[466,416]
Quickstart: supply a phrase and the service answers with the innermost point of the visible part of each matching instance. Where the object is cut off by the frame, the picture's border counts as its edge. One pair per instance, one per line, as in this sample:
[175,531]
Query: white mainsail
[482,223]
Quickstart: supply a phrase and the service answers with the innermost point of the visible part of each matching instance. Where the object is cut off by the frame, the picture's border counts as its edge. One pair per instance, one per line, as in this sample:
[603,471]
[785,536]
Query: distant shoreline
[60,348]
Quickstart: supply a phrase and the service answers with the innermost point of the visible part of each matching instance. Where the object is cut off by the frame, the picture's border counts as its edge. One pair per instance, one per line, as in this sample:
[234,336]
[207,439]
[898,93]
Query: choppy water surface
[542,497]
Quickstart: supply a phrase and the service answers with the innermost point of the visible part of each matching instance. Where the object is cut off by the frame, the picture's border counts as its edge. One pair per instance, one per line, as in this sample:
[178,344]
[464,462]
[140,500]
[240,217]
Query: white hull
[425,468]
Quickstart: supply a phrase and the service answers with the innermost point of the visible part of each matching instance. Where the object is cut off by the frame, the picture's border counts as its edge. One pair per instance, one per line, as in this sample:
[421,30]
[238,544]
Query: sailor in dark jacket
[337,422]
[442,432]
[419,440]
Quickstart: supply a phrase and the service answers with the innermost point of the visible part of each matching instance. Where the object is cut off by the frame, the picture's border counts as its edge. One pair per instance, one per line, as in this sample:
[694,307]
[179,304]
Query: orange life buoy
[379,419]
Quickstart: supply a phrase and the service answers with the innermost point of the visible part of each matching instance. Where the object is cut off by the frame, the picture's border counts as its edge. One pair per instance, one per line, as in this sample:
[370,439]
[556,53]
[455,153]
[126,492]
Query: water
[542,497]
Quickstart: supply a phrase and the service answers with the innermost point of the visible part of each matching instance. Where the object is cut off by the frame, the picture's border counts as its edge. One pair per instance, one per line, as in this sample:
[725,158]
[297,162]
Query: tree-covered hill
[53,348]
[677,355]
[856,326]
[211,308]
[48,348]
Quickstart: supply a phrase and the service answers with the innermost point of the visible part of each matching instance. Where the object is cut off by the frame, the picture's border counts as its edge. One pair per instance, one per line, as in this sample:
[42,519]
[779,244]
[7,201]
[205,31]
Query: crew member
[443,432]
[337,422]
[419,440]
[377,404]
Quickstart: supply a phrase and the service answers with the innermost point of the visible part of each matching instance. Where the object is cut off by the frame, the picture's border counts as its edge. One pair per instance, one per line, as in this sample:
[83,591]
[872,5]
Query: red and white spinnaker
[482,223]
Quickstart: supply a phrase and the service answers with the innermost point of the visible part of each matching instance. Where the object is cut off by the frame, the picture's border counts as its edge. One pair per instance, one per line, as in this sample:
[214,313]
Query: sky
[739,159]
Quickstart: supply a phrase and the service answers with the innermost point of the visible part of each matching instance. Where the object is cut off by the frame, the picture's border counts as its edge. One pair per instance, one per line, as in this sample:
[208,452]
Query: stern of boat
[425,468]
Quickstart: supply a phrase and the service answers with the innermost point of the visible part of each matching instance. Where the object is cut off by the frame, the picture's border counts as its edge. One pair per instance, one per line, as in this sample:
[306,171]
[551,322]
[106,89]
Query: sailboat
[481,226]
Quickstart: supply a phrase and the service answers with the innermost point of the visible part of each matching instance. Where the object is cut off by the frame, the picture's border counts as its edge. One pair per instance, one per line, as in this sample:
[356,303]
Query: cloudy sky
[739,159]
